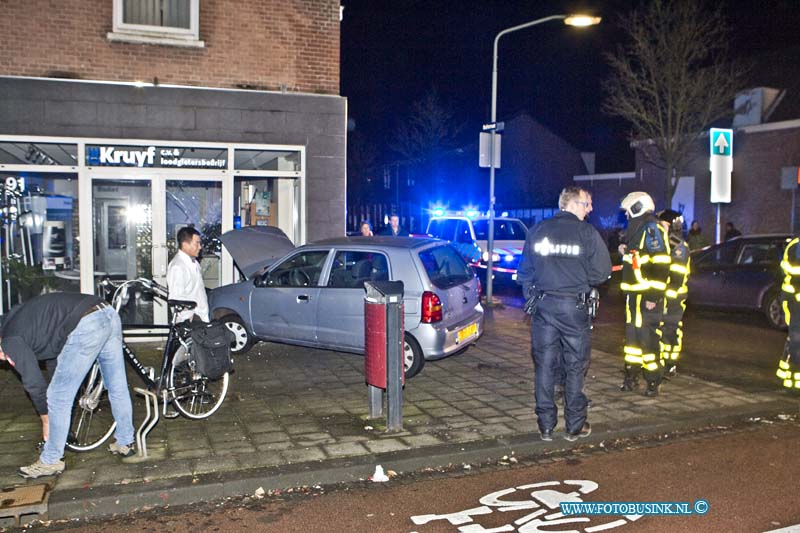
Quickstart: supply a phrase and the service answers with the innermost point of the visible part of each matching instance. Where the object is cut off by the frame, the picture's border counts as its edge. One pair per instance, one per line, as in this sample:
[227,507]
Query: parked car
[742,273]
[470,237]
[314,296]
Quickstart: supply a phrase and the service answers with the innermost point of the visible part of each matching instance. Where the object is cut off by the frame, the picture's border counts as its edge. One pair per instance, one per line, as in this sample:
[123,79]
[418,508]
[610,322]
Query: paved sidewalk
[297,416]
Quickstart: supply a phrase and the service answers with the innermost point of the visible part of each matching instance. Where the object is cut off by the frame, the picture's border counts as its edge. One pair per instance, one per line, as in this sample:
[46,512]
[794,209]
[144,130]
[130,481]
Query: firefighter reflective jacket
[645,265]
[791,272]
[679,269]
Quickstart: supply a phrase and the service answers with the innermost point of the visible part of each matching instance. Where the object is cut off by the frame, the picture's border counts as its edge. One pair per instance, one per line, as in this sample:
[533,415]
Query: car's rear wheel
[413,358]
[243,340]
[773,310]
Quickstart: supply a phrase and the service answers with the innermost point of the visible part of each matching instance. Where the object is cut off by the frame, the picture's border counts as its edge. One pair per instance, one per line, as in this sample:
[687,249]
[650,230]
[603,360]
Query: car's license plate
[468,332]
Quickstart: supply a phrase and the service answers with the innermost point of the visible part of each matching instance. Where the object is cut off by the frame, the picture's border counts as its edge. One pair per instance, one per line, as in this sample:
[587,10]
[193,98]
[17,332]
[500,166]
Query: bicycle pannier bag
[211,349]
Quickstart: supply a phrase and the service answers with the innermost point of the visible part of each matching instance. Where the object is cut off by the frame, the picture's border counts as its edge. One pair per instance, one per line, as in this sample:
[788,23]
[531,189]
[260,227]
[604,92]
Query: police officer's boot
[631,381]
[652,389]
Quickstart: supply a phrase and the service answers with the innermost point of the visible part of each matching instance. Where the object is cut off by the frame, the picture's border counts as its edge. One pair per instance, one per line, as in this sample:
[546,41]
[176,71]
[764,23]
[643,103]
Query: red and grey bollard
[383,350]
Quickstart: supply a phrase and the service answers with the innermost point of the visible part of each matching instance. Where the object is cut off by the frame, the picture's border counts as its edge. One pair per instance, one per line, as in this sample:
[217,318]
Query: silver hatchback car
[314,296]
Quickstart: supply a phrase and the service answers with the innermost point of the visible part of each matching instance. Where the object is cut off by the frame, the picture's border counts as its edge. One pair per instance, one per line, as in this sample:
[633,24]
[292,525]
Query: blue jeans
[98,337]
[561,348]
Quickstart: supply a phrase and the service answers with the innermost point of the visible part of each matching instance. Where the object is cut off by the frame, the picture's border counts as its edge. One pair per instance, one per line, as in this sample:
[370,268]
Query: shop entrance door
[114,236]
[135,226]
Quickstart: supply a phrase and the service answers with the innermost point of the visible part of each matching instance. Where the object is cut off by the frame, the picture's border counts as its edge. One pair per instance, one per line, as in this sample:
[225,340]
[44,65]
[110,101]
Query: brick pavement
[301,409]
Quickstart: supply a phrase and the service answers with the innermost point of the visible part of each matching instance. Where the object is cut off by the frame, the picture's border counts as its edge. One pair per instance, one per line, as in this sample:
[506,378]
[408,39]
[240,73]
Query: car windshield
[504,230]
[445,267]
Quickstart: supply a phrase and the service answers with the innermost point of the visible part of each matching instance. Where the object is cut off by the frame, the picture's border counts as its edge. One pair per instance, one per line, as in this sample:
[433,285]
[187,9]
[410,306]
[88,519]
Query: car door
[709,270]
[283,304]
[340,313]
[754,271]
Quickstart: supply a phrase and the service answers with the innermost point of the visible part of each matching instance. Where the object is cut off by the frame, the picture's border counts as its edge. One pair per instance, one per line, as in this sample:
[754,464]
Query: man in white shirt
[184,279]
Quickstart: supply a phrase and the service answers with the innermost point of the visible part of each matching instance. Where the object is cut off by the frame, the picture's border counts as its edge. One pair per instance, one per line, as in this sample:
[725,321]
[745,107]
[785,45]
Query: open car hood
[256,247]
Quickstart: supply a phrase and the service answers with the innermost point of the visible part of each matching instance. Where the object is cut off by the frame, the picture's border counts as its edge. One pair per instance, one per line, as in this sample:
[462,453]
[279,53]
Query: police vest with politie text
[562,255]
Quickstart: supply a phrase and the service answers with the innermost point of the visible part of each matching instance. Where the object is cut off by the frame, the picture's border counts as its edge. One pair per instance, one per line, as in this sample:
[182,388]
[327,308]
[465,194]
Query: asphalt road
[747,475]
[737,349]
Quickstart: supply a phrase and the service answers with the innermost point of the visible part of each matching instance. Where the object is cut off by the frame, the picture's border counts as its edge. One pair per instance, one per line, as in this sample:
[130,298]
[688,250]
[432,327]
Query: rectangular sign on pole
[721,164]
[485,141]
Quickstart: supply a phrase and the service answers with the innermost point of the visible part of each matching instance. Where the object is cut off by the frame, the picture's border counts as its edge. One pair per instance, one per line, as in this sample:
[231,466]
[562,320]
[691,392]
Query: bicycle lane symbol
[543,510]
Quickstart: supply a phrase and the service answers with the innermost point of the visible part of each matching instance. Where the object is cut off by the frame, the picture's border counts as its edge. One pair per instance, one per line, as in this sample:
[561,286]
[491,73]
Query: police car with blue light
[468,232]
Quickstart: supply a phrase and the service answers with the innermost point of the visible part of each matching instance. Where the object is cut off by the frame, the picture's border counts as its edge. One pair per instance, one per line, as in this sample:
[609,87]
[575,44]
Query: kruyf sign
[156,157]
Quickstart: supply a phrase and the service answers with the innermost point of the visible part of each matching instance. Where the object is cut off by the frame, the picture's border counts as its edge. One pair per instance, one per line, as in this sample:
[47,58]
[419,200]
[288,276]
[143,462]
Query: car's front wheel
[773,310]
[243,340]
[413,358]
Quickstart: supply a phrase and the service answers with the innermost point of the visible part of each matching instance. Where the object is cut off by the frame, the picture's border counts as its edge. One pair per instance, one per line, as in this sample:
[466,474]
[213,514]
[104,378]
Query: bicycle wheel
[91,422]
[193,395]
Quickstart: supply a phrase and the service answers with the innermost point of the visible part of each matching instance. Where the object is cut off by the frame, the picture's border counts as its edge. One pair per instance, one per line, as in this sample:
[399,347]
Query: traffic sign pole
[721,167]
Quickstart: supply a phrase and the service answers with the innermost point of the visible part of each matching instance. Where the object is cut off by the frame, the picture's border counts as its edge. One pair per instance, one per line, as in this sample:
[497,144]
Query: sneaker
[39,469]
[585,431]
[124,451]
[546,435]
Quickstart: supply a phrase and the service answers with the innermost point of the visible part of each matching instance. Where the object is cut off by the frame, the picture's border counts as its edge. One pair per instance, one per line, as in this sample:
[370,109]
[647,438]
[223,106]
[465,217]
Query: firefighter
[789,366]
[645,271]
[675,301]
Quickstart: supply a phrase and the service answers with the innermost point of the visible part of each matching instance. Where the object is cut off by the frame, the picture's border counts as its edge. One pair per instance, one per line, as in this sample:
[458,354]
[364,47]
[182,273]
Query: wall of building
[82,109]
[758,205]
[288,45]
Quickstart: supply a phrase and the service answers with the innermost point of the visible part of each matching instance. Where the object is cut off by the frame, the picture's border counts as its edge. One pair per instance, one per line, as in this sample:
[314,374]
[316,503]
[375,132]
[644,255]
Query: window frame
[166,35]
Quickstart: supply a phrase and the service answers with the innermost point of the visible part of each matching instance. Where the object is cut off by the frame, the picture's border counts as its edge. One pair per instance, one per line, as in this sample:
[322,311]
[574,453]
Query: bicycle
[193,395]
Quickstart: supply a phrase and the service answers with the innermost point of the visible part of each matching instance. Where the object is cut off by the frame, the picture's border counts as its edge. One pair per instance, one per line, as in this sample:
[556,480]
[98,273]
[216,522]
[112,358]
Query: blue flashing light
[504,214]
[509,258]
[439,212]
[471,213]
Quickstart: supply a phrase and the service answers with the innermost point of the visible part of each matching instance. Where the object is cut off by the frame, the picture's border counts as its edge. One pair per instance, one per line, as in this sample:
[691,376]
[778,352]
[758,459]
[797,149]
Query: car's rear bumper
[438,340]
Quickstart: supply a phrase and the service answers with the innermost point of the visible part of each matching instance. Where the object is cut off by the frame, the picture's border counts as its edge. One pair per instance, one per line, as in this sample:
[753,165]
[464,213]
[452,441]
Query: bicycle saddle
[182,304]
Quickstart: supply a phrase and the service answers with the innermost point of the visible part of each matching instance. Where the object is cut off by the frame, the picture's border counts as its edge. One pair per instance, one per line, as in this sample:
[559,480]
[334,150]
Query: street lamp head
[581,20]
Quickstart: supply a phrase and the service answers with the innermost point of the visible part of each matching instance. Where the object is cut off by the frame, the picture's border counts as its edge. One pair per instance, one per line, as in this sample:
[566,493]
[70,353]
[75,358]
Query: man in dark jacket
[562,259]
[74,330]
[394,229]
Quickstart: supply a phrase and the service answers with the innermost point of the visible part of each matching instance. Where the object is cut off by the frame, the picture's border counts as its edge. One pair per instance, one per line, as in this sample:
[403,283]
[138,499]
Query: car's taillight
[431,308]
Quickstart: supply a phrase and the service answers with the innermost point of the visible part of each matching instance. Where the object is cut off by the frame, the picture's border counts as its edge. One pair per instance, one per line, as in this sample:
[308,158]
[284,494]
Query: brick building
[535,165]
[766,138]
[123,120]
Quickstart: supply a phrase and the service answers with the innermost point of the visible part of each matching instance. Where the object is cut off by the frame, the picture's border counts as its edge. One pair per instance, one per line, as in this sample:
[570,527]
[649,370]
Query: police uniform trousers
[789,365]
[642,343]
[561,340]
[672,331]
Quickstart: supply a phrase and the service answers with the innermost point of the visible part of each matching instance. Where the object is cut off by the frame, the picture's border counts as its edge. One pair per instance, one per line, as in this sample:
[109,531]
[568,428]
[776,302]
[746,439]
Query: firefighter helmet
[637,203]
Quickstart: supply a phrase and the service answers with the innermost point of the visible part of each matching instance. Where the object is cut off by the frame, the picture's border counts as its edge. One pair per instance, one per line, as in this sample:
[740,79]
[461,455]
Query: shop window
[266,160]
[171,22]
[39,215]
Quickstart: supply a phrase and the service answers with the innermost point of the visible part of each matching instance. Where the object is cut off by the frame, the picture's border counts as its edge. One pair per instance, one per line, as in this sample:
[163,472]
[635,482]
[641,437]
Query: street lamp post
[570,20]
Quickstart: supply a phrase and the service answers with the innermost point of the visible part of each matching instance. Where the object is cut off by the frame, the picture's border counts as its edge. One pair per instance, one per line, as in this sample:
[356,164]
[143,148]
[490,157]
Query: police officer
[645,271]
[563,257]
[789,366]
[675,303]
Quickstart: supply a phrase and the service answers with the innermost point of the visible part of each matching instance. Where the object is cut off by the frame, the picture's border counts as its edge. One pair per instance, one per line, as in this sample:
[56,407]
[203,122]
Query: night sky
[394,52]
